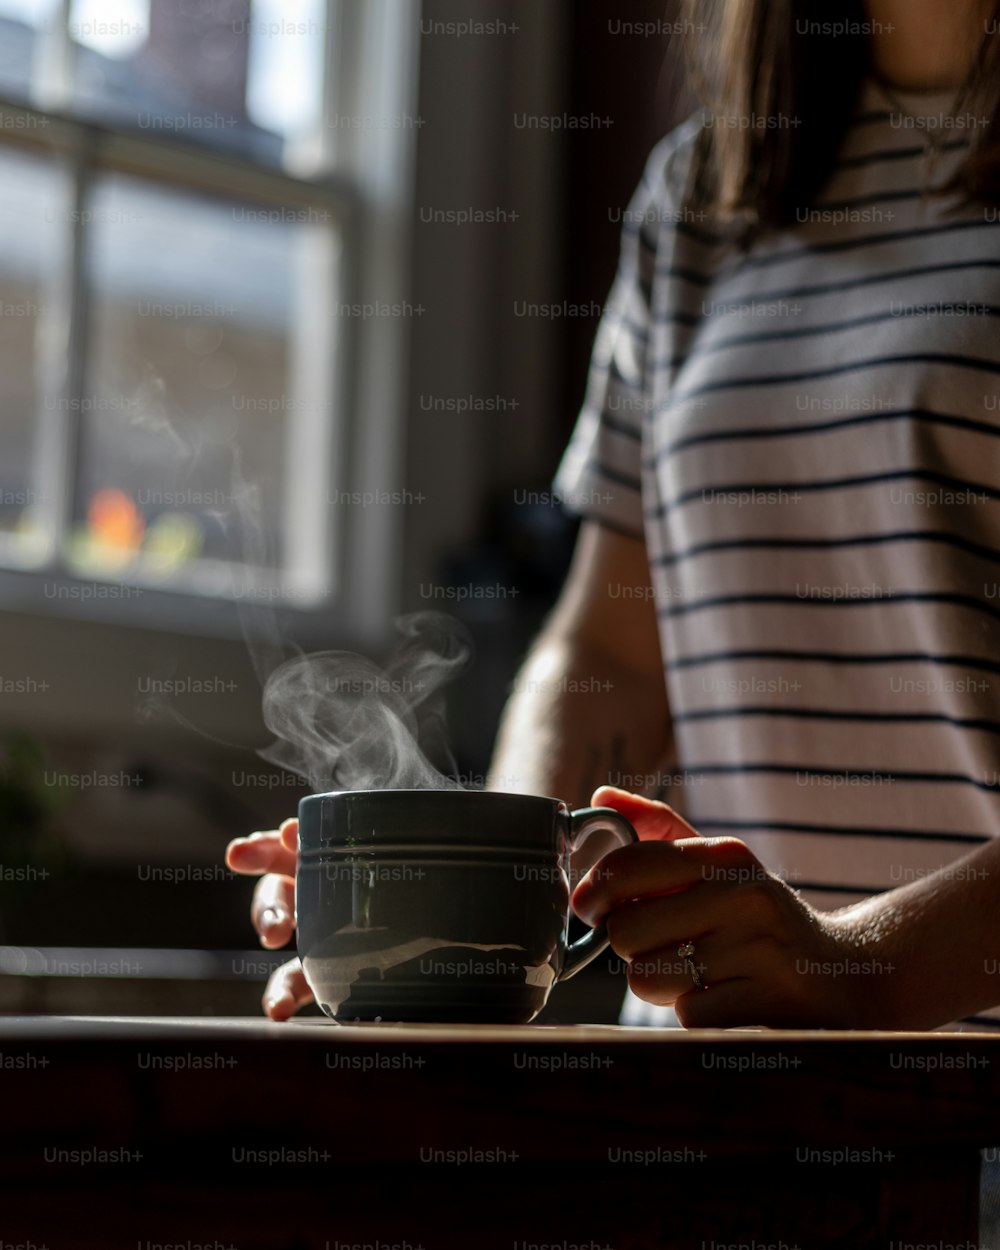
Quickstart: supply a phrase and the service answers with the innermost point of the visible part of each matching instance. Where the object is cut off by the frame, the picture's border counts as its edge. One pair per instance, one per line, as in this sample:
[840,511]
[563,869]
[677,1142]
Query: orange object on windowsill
[115,520]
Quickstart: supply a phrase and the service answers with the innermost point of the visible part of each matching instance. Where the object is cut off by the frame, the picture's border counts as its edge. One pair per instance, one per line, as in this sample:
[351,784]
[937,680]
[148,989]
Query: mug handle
[582,824]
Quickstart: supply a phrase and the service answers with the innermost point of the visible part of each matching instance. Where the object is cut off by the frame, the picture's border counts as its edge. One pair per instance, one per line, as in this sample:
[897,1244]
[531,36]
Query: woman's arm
[589,705]
[941,933]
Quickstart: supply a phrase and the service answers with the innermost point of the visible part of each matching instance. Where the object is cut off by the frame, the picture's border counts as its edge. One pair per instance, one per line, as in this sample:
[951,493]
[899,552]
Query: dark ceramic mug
[440,905]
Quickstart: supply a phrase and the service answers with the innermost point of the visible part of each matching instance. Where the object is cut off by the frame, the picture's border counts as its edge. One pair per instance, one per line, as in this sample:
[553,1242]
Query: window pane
[285,66]
[23,27]
[228,74]
[192,376]
[34,228]
[244,76]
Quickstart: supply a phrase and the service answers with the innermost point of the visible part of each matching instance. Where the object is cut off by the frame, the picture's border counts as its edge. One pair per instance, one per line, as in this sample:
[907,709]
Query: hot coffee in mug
[440,905]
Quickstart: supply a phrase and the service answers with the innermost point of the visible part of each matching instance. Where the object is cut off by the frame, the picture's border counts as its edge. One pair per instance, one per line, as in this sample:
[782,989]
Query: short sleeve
[600,473]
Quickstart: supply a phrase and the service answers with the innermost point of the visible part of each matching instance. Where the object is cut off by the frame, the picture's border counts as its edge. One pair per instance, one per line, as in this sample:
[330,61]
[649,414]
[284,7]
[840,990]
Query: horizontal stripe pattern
[806,436]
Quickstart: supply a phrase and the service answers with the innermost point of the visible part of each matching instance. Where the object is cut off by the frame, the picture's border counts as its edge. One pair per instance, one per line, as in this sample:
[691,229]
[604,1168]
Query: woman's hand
[763,955]
[272,856]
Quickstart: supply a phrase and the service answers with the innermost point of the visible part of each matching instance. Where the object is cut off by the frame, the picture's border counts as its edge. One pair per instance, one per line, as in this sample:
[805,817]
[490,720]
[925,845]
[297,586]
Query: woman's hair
[778,94]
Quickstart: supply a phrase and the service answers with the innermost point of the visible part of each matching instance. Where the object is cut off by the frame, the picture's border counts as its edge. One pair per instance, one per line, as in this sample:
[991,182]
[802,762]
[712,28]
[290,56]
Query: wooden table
[241,1133]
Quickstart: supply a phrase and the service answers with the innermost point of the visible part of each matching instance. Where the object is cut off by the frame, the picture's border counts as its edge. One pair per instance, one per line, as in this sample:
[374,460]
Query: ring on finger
[686,952]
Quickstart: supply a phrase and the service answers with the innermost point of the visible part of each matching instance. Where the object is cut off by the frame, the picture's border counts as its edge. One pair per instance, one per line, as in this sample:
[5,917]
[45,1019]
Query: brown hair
[753,59]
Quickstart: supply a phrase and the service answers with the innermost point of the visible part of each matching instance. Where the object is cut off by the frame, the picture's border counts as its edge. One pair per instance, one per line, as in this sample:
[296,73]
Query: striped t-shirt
[808,436]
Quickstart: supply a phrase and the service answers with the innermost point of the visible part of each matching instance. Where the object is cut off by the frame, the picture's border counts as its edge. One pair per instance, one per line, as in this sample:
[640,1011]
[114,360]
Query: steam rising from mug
[344,723]
[341,721]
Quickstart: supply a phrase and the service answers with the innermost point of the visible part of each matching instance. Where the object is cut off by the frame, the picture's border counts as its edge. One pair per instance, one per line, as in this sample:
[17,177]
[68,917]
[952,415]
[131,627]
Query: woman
[802,429]
[792,439]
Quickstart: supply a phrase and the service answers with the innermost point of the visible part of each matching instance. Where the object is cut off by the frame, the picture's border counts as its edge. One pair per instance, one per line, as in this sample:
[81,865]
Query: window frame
[363,178]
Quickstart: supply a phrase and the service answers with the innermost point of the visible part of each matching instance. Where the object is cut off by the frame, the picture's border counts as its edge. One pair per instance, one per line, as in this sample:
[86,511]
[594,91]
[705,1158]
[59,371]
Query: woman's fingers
[271,851]
[663,976]
[273,910]
[273,856]
[286,991]
[647,869]
[708,905]
[744,978]
[652,820]
[731,1004]
[655,924]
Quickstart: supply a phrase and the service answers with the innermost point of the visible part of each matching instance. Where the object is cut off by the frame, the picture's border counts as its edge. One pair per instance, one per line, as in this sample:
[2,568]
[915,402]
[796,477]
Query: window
[180,257]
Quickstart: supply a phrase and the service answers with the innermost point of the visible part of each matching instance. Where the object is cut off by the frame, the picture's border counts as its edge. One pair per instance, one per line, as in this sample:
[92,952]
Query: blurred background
[296,304]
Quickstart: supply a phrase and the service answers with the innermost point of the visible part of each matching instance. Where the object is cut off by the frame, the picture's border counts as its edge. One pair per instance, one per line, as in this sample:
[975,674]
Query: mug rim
[410,819]
[491,794]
